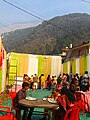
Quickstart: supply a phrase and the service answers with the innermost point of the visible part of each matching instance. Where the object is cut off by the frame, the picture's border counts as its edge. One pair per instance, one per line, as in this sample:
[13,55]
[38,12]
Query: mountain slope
[14,27]
[51,36]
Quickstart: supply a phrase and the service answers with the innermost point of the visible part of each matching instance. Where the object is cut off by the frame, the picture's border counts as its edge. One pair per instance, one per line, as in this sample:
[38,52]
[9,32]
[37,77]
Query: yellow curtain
[12,69]
[47,66]
[85,63]
[81,66]
[40,65]
[74,67]
[24,58]
[65,67]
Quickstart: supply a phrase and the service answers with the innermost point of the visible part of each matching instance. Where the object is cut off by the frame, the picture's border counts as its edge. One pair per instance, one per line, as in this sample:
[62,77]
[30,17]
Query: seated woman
[66,100]
[77,85]
[73,87]
[53,97]
[59,85]
[68,97]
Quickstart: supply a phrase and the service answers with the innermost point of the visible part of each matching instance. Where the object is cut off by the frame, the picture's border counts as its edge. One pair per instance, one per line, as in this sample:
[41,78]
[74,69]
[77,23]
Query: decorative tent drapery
[35,64]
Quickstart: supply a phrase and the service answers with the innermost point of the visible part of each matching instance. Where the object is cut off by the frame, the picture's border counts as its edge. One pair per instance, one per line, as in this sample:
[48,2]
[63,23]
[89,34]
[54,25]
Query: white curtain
[56,65]
[33,65]
[77,66]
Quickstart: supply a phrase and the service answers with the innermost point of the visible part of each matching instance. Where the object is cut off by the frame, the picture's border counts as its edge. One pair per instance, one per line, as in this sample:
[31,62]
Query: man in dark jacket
[21,94]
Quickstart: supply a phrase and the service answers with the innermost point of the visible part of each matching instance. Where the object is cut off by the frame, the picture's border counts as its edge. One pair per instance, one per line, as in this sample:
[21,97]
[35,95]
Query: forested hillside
[51,36]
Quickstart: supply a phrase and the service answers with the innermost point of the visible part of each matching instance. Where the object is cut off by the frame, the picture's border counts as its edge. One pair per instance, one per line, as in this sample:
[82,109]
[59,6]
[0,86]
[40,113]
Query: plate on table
[30,98]
[44,99]
[52,101]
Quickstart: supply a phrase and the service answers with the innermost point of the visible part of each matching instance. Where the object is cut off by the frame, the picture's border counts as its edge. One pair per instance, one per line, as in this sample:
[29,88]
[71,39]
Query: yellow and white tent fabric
[34,64]
[3,67]
[56,65]
[77,65]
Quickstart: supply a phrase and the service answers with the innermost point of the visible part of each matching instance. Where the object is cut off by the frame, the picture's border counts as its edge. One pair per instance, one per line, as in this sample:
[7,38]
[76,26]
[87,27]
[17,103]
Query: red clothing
[49,82]
[59,87]
[74,79]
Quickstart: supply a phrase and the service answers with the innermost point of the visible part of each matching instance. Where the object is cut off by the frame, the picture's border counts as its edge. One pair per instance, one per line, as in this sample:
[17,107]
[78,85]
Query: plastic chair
[6,113]
[62,103]
[80,97]
[72,113]
[18,111]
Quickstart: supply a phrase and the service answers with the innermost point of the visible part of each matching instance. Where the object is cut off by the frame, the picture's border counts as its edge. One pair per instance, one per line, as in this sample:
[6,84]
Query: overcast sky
[41,9]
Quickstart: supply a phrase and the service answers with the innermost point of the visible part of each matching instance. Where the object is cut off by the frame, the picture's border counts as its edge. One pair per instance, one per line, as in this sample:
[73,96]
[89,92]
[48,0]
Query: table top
[38,103]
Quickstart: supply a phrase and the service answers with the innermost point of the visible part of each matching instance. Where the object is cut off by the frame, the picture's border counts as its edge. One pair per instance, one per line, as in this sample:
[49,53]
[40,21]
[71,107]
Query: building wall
[79,52]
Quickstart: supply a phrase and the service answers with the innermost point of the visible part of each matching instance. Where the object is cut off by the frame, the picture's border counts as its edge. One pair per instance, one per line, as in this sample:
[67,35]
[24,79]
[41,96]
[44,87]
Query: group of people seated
[64,93]
[62,90]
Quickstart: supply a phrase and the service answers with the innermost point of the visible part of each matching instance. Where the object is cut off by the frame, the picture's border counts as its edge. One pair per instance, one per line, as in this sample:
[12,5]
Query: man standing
[85,82]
